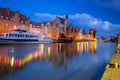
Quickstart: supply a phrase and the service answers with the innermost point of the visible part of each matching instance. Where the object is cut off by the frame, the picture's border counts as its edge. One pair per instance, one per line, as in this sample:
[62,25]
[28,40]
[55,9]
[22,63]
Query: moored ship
[21,36]
[63,39]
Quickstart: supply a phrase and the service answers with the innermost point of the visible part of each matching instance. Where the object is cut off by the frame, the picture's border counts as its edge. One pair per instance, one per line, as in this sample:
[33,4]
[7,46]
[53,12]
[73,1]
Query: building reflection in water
[15,57]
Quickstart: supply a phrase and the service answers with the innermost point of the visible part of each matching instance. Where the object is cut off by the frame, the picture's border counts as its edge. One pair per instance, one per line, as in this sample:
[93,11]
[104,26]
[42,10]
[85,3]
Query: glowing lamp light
[30,57]
[12,61]
[36,55]
[0,59]
[40,55]
[7,61]
[48,50]
[18,62]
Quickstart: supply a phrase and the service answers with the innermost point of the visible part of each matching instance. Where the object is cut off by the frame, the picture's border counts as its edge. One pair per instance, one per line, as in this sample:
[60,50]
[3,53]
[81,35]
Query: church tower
[66,20]
[66,23]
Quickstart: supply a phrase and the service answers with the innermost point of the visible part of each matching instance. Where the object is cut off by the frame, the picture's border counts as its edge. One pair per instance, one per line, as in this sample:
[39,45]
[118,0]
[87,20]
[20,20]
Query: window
[25,35]
[11,19]
[6,17]
[10,35]
[2,17]
[20,35]
[26,22]
[6,34]
[15,35]
[22,21]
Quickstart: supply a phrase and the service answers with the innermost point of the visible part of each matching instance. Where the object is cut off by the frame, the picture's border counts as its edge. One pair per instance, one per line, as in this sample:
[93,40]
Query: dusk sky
[104,15]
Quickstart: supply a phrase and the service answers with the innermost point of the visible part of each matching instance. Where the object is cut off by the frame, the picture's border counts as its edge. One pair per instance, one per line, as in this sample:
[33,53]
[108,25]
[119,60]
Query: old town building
[11,20]
[61,23]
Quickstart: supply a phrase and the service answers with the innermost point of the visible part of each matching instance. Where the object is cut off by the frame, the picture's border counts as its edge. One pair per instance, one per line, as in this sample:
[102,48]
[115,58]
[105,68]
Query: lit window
[2,17]
[11,19]
[22,21]
[26,22]
[6,17]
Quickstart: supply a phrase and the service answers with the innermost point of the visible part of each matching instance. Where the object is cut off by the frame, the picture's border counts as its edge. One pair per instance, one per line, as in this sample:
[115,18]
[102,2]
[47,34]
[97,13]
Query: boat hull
[9,42]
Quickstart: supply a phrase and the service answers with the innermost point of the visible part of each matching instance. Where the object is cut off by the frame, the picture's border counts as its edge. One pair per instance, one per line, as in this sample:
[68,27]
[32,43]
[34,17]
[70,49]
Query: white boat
[21,36]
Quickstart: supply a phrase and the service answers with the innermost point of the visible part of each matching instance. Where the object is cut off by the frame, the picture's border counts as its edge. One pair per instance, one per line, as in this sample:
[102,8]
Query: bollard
[108,66]
[116,65]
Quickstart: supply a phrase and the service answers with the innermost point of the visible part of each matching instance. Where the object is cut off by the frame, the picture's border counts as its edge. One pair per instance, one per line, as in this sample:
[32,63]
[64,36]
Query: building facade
[10,20]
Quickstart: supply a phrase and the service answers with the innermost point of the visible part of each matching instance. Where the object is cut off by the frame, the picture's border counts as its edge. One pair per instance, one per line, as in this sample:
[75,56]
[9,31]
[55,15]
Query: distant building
[92,33]
[11,20]
[61,23]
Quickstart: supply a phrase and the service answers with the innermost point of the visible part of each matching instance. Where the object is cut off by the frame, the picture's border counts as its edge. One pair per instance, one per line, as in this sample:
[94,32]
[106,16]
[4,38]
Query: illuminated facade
[10,20]
[61,23]
[92,33]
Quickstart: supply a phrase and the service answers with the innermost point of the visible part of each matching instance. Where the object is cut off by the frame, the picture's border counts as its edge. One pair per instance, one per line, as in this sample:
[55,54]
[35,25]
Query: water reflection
[15,57]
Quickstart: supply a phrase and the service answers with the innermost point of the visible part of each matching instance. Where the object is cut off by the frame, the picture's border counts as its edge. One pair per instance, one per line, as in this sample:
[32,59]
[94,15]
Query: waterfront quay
[112,70]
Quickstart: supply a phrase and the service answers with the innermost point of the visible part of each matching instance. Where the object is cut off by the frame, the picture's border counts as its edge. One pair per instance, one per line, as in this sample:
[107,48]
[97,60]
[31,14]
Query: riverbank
[112,70]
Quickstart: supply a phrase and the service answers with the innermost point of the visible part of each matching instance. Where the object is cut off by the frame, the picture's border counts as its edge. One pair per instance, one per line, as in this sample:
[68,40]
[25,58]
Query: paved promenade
[112,71]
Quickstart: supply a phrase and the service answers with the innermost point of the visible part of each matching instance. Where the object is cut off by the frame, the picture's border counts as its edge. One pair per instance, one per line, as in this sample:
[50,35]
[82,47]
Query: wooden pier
[112,70]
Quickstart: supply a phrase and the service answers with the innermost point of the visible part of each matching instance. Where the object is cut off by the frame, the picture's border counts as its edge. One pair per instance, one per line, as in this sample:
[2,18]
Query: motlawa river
[55,61]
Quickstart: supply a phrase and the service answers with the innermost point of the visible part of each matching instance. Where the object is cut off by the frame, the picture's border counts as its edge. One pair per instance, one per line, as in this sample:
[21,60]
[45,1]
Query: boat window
[15,35]
[10,35]
[35,36]
[7,35]
[20,35]
[26,35]
[30,35]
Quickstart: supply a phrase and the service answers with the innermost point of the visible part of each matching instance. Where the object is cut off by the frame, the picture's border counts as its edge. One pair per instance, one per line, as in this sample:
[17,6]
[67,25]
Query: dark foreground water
[70,61]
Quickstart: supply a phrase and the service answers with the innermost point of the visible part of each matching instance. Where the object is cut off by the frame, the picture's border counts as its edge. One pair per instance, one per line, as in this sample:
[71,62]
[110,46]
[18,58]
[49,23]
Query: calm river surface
[56,61]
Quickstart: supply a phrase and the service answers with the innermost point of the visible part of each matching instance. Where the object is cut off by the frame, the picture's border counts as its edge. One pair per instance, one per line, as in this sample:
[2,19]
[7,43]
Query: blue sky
[104,15]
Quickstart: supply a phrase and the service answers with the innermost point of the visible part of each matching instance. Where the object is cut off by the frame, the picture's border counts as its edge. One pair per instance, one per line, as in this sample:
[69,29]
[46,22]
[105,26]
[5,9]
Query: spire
[66,16]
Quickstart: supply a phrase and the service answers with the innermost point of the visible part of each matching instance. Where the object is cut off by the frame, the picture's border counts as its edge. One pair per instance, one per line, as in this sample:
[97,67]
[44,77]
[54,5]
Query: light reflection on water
[57,61]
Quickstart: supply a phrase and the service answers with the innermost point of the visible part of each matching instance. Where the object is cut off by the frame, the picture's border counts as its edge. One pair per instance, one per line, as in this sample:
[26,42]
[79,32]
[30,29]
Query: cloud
[86,21]
[46,16]
[90,21]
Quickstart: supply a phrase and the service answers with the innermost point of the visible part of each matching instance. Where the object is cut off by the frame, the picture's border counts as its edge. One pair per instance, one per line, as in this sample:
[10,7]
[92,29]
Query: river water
[56,61]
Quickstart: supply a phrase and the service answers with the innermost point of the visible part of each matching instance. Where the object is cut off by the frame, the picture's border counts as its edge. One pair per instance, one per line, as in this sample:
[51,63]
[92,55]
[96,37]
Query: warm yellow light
[48,51]
[41,47]
[78,46]
[12,61]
